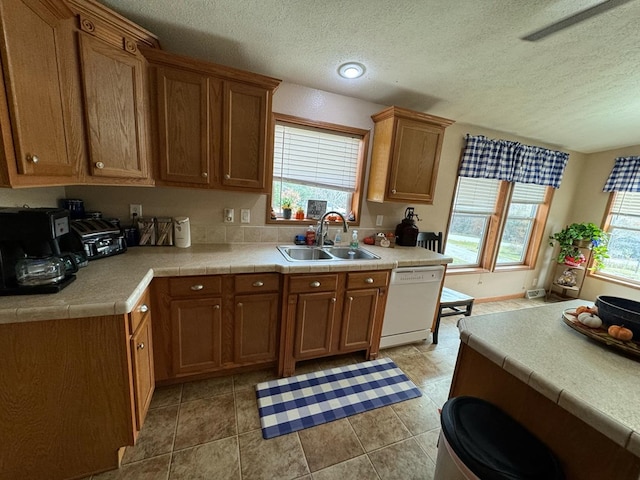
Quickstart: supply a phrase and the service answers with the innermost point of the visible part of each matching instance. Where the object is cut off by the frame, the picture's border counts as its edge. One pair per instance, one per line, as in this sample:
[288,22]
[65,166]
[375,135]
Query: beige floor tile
[205,420]
[428,441]
[214,460]
[156,436]
[247,410]
[359,468]
[280,457]
[250,379]
[419,415]
[165,396]
[402,461]
[420,369]
[437,390]
[329,443]
[206,388]
[155,468]
[378,428]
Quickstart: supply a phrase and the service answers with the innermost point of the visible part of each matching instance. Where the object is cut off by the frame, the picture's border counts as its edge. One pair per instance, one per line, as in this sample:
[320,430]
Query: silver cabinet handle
[393,191]
[205,174]
[333,300]
[100,165]
[351,299]
[368,280]
[227,176]
[140,346]
[197,287]
[315,284]
[32,158]
[144,308]
[216,307]
[258,284]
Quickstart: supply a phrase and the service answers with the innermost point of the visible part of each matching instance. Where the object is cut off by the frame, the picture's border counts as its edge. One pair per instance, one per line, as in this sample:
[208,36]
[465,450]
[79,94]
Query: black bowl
[620,311]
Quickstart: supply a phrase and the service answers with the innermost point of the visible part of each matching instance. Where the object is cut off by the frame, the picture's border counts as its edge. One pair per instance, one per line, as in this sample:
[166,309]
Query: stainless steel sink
[346,253]
[306,254]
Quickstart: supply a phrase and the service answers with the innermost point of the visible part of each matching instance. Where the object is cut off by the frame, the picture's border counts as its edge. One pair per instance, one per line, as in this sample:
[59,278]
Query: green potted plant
[581,235]
[286,208]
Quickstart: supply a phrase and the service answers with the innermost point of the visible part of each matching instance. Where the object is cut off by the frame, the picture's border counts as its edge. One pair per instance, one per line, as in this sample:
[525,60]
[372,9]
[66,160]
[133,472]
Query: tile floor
[210,429]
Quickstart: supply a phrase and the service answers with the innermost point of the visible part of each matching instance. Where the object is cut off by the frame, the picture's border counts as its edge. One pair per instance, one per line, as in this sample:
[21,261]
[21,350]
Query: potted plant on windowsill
[286,209]
[581,235]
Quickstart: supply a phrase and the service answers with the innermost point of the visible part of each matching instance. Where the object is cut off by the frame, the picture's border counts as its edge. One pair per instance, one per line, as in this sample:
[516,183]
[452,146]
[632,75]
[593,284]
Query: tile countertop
[113,285]
[587,379]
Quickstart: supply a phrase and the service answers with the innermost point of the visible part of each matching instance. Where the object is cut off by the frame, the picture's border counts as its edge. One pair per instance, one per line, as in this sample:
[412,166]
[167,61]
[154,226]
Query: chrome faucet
[321,234]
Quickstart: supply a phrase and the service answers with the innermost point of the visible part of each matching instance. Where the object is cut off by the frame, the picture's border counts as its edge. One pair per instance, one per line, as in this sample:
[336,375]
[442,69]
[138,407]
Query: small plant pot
[286,213]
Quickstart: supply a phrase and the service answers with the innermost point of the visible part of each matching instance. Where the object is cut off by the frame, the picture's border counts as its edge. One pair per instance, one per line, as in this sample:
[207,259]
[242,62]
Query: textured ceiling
[577,89]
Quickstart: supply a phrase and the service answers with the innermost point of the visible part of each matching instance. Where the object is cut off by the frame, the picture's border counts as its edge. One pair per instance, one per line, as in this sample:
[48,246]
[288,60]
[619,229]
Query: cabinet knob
[205,174]
[100,165]
[351,299]
[393,191]
[197,287]
[140,346]
[240,305]
[144,308]
[216,307]
[368,280]
[227,176]
[333,300]
[258,284]
[32,158]
[315,284]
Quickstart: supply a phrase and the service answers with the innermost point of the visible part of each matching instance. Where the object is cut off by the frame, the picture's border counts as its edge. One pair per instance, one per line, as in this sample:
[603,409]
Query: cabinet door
[143,379]
[315,323]
[196,335]
[358,316]
[189,126]
[35,61]
[255,328]
[115,103]
[244,153]
[414,167]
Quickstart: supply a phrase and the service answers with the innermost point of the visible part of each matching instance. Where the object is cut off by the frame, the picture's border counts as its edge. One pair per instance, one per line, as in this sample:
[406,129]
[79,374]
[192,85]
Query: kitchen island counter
[579,396]
[113,285]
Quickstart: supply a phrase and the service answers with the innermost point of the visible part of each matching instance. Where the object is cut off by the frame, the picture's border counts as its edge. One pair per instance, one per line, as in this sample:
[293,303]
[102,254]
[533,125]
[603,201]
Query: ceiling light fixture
[351,70]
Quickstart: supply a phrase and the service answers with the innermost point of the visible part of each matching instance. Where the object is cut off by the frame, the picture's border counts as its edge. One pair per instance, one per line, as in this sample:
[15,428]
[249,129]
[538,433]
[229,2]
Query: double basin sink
[326,253]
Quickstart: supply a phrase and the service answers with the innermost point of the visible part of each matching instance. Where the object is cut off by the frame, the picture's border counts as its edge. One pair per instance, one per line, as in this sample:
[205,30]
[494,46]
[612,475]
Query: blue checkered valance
[512,161]
[625,176]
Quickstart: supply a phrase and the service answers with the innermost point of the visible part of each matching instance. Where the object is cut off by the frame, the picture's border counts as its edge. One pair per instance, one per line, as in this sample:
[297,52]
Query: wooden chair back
[430,241]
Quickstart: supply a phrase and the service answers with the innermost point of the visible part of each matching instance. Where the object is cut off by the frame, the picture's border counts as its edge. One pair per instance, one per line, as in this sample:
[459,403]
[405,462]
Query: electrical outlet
[379,220]
[135,208]
[245,215]
[228,215]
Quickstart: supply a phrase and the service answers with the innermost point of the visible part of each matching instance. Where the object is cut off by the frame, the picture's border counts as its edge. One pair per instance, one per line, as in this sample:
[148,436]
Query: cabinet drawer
[313,283]
[200,286]
[257,283]
[140,311]
[367,279]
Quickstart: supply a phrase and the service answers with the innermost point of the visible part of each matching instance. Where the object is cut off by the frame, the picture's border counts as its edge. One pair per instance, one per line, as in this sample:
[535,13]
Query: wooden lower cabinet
[73,392]
[207,325]
[329,314]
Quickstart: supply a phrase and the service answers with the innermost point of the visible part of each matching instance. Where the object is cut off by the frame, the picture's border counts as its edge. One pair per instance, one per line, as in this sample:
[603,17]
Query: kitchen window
[496,224]
[316,161]
[623,223]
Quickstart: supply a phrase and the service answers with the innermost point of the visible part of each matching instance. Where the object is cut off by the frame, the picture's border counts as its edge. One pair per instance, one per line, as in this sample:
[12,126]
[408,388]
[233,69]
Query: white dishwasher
[411,304]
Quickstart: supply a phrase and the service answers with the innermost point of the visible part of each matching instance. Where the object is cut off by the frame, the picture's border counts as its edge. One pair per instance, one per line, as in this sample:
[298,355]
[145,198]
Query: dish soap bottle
[354,240]
[338,238]
[311,235]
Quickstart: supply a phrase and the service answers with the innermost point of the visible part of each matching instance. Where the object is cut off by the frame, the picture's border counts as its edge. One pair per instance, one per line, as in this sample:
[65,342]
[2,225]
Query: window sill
[616,280]
[305,222]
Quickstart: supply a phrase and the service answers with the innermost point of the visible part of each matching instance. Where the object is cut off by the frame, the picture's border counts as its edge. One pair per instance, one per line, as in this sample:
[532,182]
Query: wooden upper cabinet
[405,157]
[115,109]
[213,123]
[246,119]
[37,108]
[187,135]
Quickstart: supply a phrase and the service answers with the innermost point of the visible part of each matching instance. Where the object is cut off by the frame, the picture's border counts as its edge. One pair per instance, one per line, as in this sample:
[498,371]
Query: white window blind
[311,157]
[528,193]
[625,204]
[476,195]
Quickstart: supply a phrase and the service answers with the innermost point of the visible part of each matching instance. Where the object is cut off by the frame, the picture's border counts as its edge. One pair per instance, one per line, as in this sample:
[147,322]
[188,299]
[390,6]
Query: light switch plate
[379,220]
[228,215]
[245,215]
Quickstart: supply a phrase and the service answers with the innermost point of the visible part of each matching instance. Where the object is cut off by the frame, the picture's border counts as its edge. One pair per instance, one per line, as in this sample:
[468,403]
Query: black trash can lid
[493,445]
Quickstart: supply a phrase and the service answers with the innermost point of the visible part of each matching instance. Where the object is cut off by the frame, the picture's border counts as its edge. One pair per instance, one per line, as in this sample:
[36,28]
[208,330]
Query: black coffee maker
[407,230]
[30,258]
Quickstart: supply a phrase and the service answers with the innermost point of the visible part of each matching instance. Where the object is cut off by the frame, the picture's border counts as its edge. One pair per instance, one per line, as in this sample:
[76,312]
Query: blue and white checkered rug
[290,404]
